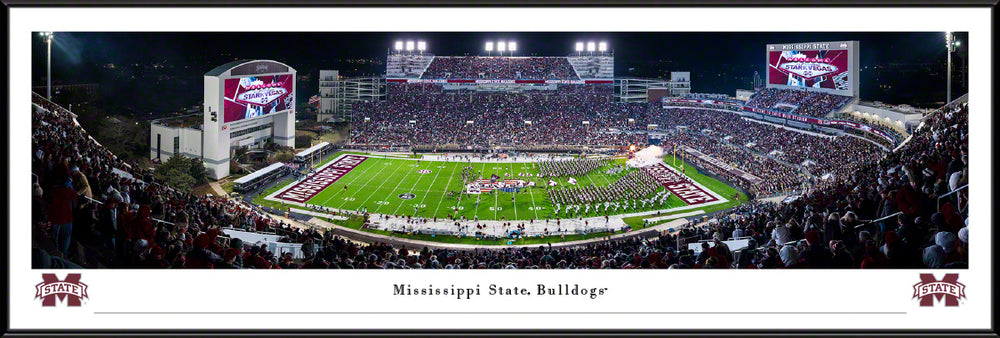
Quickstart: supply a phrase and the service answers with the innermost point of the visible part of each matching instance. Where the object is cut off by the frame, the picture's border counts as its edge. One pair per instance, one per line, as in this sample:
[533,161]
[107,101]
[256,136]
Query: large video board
[830,67]
[255,96]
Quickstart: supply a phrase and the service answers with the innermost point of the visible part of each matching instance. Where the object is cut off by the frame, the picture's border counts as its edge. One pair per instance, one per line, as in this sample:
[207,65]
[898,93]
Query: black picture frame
[8,4]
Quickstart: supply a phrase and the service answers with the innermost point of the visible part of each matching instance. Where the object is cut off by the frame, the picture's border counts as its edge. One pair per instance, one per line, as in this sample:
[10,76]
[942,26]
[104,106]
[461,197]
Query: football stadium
[501,159]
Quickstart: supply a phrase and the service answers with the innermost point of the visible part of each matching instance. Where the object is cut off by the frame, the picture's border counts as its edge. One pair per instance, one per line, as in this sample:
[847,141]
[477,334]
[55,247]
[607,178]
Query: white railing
[959,196]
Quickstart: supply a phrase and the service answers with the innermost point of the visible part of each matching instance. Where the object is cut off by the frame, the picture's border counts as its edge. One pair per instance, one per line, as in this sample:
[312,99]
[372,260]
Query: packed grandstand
[425,114]
[480,67]
[860,201]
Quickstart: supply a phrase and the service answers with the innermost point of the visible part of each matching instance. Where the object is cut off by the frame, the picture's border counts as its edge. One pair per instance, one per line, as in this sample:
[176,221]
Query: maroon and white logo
[425,171]
[679,185]
[330,173]
[261,94]
[947,288]
[69,290]
[808,67]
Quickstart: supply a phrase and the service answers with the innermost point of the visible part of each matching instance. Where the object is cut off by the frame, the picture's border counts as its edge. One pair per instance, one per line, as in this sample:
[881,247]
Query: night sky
[719,62]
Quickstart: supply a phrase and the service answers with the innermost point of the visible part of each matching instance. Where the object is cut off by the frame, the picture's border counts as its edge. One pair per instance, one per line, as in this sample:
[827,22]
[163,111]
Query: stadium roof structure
[902,109]
[313,149]
[218,71]
[259,173]
[184,121]
[223,68]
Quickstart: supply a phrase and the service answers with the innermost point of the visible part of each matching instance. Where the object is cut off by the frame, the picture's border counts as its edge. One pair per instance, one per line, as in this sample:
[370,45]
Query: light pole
[951,48]
[48,70]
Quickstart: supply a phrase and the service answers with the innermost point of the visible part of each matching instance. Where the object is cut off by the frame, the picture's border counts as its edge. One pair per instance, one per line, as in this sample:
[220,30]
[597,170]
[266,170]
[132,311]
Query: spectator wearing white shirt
[781,234]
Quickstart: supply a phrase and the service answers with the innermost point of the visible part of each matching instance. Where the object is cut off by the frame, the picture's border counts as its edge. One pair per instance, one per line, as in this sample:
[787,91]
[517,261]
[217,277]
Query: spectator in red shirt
[154,259]
[908,197]
[62,202]
[228,258]
[199,257]
[255,260]
[874,258]
[142,226]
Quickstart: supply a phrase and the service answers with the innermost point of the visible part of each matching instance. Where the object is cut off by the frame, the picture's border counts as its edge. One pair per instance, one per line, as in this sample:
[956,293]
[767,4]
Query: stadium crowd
[779,150]
[774,176]
[893,130]
[807,103]
[441,118]
[499,67]
[91,209]
[828,226]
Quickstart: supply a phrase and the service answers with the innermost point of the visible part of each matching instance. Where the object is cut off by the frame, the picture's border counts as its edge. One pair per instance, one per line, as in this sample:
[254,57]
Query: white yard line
[352,181]
[605,176]
[428,187]
[394,188]
[374,191]
[476,214]
[533,206]
[450,177]
[415,181]
[356,191]
[513,198]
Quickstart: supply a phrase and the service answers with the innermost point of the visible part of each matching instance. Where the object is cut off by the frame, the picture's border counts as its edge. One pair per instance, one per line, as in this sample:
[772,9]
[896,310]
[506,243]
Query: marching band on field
[631,192]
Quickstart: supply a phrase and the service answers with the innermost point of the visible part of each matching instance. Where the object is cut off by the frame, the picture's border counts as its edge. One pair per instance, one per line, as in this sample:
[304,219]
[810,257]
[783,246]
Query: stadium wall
[162,139]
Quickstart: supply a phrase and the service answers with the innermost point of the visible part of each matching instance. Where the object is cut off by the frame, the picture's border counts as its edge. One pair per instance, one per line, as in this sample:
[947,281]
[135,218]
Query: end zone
[685,188]
[299,192]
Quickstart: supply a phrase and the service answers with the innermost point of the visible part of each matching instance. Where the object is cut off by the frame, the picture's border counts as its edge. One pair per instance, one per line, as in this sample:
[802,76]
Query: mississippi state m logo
[69,290]
[930,288]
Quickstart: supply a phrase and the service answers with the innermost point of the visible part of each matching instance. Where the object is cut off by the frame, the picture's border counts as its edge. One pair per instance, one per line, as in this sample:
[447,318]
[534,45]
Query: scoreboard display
[255,96]
[830,67]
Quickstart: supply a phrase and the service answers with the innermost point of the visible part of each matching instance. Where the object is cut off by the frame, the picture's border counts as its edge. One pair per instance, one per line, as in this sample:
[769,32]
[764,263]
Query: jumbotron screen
[819,65]
[256,96]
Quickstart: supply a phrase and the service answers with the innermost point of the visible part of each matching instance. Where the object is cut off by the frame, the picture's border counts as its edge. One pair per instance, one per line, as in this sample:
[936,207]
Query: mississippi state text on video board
[823,66]
[255,96]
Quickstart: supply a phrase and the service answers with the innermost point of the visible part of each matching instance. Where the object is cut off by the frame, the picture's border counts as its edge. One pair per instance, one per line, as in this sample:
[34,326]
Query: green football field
[378,184]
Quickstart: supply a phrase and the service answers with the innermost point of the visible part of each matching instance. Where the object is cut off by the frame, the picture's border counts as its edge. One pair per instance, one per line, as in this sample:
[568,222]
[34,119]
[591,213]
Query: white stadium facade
[248,103]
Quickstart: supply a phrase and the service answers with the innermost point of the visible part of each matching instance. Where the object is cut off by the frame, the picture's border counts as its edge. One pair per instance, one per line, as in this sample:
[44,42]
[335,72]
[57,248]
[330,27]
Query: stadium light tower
[489,47]
[501,47]
[421,46]
[48,70]
[591,46]
[409,46]
[602,47]
[949,41]
[512,45]
[579,47]
[399,46]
